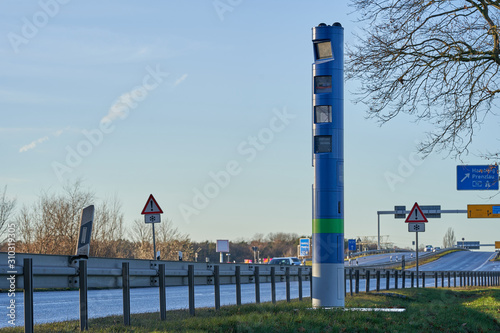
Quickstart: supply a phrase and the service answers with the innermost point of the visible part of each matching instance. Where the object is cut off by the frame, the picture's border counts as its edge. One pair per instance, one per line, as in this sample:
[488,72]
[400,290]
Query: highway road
[384,258]
[54,306]
[63,305]
[464,261]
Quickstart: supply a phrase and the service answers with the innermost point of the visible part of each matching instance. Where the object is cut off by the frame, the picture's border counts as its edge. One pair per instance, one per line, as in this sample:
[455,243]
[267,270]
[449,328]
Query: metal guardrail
[32,271]
[58,271]
[55,271]
[405,279]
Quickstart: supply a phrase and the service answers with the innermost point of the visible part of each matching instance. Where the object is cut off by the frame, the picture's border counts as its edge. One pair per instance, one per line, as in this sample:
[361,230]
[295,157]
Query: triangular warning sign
[416,215]
[152,206]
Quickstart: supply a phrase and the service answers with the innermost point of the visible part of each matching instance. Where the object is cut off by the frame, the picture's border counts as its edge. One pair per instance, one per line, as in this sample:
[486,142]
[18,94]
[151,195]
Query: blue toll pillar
[328,162]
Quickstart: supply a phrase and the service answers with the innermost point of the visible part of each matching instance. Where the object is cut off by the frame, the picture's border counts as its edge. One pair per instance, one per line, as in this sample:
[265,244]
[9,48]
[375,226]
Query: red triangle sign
[416,215]
[152,206]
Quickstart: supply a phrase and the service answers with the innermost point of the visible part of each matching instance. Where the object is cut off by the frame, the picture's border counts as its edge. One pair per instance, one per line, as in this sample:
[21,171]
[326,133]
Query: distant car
[429,248]
[437,248]
[285,261]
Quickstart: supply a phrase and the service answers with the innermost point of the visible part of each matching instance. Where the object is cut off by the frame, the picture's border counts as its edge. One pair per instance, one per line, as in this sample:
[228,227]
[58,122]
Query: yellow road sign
[483,211]
[497,245]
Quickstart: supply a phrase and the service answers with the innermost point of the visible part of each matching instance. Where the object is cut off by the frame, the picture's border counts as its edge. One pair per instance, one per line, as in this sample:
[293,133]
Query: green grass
[427,310]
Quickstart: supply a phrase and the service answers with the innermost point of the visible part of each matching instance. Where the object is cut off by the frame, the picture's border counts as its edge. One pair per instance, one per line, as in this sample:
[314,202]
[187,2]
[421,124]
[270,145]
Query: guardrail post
[310,281]
[238,285]
[345,283]
[454,279]
[461,275]
[403,279]
[367,284]
[273,284]
[412,277]
[378,280]
[287,282]
[350,281]
[449,279]
[387,279]
[396,279]
[356,276]
[84,315]
[435,279]
[217,287]
[28,294]
[423,279]
[163,297]
[191,289]
[442,279]
[126,292]
[257,284]
[300,283]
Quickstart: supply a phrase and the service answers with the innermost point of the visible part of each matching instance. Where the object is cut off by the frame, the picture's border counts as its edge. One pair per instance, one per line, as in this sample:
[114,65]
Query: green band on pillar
[328,226]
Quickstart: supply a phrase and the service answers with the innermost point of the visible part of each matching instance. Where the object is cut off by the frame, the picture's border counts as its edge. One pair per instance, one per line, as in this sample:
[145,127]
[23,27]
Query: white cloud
[33,144]
[179,80]
[122,106]
[43,139]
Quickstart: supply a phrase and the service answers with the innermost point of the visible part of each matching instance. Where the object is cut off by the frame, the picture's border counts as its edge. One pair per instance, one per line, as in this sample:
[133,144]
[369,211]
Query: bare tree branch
[436,60]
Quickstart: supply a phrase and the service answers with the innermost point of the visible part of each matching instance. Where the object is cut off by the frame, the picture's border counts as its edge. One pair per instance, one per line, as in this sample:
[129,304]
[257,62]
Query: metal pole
[300,283]
[28,294]
[84,315]
[238,285]
[416,251]
[217,287]
[154,242]
[163,297]
[273,285]
[257,285]
[191,289]
[287,283]
[126,293]
[378,238]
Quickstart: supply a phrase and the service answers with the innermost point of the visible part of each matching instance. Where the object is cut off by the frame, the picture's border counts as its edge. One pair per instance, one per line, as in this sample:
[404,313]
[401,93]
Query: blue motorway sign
[351,243]
[477,177]
[304,247]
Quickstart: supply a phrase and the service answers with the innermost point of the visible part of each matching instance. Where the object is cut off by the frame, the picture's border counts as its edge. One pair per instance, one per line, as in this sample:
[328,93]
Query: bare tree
[436,60]
[51,225]
[449,238]
[107,230]
[169,240]
[7,206]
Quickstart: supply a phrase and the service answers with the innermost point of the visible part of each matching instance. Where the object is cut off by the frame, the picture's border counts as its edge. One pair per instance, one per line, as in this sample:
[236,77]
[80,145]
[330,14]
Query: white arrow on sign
[467,175]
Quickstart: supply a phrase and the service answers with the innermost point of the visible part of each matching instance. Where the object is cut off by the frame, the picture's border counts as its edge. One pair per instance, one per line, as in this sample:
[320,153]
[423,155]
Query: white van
[285,261]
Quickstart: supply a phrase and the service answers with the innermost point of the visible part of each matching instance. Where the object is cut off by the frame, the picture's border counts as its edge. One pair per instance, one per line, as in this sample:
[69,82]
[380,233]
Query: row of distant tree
[51,226]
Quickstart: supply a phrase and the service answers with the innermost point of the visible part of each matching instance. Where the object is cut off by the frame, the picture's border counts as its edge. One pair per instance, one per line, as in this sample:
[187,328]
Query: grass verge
[427,310]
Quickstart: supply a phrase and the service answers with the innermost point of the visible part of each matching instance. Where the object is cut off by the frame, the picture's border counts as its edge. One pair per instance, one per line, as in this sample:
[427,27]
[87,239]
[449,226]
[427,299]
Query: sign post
[483,211]
[416,220]
[151,212]
[222,246]
[304,247]
[477,177]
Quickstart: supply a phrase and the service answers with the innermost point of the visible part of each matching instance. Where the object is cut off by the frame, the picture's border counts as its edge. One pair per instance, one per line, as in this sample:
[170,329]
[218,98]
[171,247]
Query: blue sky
[180,98]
